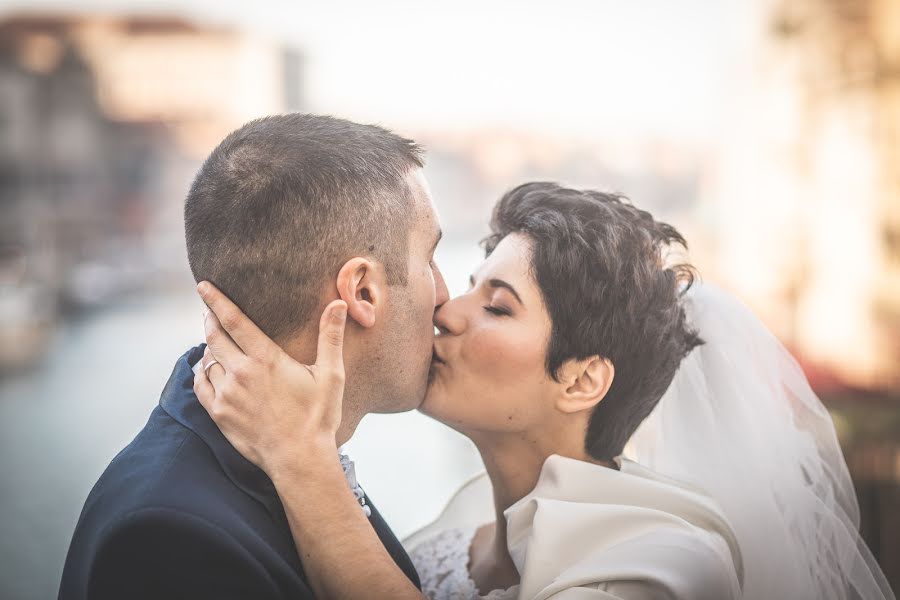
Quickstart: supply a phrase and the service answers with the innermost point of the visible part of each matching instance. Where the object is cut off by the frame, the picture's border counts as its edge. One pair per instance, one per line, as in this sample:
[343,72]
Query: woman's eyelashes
[498,311]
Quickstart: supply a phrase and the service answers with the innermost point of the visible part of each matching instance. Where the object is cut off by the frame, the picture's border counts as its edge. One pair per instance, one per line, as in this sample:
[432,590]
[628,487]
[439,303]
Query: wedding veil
[741,422]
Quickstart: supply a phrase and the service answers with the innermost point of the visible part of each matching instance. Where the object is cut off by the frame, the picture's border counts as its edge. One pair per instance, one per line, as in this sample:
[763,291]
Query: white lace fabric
[442,563]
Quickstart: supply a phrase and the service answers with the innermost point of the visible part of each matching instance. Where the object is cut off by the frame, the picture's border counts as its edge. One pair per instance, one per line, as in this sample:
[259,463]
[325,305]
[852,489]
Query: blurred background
[767,131]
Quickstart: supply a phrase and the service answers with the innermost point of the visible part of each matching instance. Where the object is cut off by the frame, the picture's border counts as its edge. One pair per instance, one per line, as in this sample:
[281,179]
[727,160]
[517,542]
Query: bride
[643,437]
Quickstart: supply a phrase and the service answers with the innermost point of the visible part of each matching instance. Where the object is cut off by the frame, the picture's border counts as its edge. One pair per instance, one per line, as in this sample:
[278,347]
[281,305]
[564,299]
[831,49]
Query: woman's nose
[449,319]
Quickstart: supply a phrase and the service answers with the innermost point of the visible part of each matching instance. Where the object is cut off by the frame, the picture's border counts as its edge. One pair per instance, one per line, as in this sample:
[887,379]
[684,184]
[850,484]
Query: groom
[285,213]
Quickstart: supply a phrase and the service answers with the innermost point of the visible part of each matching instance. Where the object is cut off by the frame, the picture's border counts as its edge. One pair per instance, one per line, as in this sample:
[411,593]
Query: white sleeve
[661,565]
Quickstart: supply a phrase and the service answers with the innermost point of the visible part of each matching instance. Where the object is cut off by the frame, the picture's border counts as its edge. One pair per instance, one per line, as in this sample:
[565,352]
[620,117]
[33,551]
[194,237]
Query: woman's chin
[431,398]
[436,403]
[440,407]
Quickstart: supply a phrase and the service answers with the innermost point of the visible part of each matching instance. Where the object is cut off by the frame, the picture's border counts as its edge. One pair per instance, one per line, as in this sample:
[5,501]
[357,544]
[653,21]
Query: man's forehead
[419,187]
[417,175]
[426,209]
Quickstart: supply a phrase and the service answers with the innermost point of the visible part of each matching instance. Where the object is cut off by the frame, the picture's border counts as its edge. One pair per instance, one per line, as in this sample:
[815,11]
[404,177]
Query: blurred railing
[869,429]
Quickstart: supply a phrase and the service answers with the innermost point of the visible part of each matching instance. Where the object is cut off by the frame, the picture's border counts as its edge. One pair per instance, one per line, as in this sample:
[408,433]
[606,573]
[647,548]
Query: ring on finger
[212,361]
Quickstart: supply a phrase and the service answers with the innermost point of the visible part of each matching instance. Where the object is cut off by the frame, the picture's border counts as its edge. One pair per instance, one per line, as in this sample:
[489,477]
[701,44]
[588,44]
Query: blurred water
[62,422]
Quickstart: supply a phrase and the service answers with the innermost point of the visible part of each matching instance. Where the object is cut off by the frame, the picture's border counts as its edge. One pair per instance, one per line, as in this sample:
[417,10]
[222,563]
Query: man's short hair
[285,200]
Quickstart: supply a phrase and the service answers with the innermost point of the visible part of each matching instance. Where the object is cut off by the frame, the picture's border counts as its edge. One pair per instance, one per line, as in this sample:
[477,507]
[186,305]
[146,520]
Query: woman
[569,336]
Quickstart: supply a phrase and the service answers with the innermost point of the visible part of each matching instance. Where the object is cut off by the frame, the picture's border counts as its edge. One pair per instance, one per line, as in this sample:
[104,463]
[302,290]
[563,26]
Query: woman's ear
[586,382]
[359,285]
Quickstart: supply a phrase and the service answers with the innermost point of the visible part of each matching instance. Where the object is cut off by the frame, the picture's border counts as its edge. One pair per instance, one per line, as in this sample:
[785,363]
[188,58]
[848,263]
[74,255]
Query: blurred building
[472,169]
[807,187]
[102,123]
[806,190]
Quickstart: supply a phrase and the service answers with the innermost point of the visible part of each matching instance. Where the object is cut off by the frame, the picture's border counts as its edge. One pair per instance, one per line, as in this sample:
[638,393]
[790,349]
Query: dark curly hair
[601,266]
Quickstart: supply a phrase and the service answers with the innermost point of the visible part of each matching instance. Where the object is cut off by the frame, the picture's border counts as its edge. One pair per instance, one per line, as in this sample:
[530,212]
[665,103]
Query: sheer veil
[741,422]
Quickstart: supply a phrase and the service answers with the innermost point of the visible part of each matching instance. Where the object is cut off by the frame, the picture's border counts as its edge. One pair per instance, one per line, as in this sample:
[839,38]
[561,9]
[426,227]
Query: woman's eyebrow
[499,283]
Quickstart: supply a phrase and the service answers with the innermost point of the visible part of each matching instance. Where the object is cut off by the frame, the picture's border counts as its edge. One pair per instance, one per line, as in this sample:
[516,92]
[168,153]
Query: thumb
[330,353]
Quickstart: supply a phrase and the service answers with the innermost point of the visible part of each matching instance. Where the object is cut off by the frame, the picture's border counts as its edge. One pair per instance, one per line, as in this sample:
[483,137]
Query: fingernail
[202,288]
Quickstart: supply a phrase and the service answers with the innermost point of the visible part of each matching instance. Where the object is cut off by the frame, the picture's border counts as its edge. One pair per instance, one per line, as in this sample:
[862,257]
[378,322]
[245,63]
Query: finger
[204,390]
[330,353]
[242,330]
[220,344]
[215,373]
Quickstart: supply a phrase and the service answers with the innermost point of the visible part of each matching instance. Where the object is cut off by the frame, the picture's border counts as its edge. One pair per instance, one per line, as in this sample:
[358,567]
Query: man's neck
[303,349]
[349,422]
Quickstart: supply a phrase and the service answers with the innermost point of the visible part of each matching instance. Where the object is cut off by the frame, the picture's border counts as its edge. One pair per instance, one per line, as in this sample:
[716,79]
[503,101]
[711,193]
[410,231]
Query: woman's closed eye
[499,311]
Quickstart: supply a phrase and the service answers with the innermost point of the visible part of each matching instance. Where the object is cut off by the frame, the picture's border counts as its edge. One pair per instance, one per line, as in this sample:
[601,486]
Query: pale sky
[653,68]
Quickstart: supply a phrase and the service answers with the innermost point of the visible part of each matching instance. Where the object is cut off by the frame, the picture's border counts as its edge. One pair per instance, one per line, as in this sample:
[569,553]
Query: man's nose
[441,293]
[438,319]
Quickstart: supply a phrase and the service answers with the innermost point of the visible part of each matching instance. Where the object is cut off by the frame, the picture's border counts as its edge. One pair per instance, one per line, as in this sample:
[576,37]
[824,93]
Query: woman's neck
[514,465]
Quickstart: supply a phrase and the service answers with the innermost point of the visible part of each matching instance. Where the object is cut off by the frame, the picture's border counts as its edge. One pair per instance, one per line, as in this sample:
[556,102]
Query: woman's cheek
[508,369]
[502,355]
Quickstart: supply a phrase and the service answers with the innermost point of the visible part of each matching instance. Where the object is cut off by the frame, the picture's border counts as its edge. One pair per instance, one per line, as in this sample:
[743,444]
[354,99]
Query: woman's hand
[283,416]
[275,411]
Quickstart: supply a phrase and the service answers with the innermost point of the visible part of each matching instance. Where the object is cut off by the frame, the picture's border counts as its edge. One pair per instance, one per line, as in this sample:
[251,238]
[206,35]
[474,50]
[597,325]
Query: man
[287,212]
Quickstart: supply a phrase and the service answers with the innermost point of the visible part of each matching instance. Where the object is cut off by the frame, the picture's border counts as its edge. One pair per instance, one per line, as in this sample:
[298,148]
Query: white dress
[442,563]
[588,532]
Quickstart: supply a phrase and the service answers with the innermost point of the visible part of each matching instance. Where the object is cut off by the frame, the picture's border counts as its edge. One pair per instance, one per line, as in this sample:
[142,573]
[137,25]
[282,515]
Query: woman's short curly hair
[601,266]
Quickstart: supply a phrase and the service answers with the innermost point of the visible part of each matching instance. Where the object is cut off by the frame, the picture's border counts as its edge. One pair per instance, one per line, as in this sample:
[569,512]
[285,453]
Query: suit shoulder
[159,551]
[166,467]
[142,529]
[163,460]
[154,446]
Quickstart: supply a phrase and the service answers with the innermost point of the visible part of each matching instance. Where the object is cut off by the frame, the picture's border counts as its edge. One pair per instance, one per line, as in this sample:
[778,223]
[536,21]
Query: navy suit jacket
[179,513]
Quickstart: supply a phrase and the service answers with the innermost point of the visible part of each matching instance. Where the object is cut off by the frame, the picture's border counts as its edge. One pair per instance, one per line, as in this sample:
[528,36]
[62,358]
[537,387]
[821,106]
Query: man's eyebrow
[499,283]
[440,234]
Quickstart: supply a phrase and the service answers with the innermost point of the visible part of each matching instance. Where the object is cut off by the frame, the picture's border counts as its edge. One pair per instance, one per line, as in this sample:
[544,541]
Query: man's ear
[585,383]
[360,285]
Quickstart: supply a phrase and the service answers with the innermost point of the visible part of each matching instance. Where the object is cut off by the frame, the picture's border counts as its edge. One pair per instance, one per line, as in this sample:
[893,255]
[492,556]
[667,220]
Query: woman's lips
[435,357]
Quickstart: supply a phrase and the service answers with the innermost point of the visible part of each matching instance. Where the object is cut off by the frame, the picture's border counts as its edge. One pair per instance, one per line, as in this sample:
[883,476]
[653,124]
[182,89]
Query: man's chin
[402,405]
[405,402]
[396,409]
